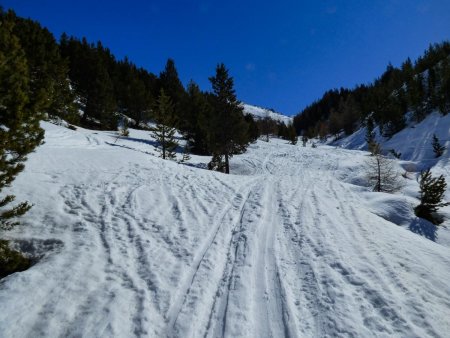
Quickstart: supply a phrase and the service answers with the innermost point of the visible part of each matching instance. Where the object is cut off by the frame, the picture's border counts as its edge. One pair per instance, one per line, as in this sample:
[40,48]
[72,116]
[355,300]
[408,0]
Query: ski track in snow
[151,248]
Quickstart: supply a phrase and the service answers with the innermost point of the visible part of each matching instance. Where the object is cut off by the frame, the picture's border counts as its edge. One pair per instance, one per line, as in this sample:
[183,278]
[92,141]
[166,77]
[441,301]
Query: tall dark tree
[229,132]
[164,131]
[197,114]
[173,87]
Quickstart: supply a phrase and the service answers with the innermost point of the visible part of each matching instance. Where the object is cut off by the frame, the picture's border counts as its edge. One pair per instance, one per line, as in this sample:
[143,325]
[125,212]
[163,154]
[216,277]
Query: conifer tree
[229,132]
[49,85]
[292,134]
[253,130]
[164,131]
[197,119]
[170,82]
[19,124]
[437,147]
[432,190]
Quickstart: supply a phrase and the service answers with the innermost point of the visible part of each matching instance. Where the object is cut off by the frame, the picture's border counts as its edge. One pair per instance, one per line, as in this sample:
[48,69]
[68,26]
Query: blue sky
[282,54]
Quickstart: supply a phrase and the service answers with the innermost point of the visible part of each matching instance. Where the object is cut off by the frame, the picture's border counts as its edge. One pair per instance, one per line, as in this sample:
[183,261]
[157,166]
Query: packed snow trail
[130,245]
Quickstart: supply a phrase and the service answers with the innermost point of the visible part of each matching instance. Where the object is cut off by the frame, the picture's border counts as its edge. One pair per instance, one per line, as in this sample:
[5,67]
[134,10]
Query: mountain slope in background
[259,113]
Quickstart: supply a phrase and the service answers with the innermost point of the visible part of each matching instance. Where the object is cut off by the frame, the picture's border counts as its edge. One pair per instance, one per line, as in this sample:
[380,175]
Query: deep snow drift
[127,244]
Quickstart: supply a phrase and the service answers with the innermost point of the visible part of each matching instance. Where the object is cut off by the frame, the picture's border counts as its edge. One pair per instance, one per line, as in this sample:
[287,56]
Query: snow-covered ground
[260,113]
[291,245]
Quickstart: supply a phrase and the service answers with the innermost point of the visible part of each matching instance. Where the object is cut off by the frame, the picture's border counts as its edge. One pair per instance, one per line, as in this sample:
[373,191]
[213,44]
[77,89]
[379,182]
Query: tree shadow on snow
[424,228]
[133,139]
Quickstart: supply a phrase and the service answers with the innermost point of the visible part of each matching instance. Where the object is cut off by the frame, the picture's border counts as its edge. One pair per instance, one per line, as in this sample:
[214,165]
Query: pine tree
[229,131]
[432,190]
[170,82]
[164,131]
[19,124]
[437,147]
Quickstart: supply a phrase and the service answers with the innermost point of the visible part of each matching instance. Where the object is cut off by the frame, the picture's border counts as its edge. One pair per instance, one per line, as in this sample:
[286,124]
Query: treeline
[84,84]
[417,88]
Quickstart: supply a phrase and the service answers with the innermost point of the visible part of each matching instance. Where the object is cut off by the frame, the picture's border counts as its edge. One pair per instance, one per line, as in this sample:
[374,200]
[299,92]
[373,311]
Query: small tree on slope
[432,190]
[292,134]
[164,130]
[381,172]
[437,147]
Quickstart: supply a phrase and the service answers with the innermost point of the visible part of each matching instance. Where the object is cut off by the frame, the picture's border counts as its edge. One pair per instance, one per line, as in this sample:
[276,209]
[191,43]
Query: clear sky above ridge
[282,54]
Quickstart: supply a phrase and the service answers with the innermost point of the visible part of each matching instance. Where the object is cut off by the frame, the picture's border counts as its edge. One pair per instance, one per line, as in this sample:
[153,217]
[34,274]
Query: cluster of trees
[86,85]
[383,177]
[22,100]
[420,88]
[269,127]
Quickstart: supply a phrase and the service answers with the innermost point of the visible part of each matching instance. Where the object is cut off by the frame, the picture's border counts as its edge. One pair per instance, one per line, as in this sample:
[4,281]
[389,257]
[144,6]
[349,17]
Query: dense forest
[410,92]
[84,84]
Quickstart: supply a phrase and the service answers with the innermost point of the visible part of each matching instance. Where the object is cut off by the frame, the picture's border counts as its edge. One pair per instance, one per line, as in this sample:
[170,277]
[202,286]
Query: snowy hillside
[260,113]
[290,245]
[414,143]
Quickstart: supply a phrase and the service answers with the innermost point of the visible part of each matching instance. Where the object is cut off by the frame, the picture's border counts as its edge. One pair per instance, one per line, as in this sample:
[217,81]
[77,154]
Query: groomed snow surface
[290,245]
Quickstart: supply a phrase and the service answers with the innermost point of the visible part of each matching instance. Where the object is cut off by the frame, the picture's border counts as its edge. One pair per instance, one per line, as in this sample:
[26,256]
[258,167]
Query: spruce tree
[432,190]
[164,131]
[437,147]
[229,131]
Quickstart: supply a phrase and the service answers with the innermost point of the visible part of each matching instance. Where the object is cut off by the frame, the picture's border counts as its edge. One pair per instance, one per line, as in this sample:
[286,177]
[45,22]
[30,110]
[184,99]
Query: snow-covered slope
[413,142]
[127,244]
[260,113]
